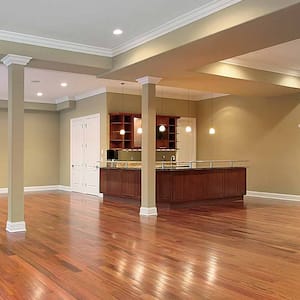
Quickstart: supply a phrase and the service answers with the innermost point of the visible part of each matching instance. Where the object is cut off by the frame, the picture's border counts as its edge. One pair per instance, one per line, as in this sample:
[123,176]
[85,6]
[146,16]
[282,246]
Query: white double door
[85,154]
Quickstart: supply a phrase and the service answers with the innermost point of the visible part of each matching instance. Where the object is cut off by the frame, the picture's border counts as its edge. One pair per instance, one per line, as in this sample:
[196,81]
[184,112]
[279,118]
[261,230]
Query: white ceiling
[91,22]
[283,58]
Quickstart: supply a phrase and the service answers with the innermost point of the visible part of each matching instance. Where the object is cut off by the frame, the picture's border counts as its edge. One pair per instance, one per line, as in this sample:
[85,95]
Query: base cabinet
[176,186]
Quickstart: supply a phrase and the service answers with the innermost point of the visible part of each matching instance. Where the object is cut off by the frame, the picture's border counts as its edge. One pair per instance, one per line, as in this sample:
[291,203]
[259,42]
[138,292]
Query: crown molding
[261,66]
[63,99]
[180,21]
[53,43]
[13,59]
[90,94]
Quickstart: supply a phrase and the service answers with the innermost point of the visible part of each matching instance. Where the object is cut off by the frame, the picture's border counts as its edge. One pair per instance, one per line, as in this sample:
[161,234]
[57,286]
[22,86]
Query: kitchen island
[175,186]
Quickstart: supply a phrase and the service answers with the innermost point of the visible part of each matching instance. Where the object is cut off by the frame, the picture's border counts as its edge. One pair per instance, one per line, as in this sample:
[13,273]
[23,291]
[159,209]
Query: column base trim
[15,226]
[148,211]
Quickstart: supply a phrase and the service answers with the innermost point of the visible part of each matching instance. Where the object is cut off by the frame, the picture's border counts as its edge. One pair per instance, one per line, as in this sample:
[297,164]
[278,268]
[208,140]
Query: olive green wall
[41,148]
[262,130]
[85,107]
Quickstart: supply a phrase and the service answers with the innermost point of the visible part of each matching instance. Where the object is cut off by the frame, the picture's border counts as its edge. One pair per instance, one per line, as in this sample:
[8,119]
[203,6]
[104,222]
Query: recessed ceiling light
[63,84]
[117,31]
[39,94]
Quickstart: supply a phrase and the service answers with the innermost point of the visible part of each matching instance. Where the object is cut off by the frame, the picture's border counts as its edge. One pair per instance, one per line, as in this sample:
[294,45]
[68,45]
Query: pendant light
[188,128]
[162,127]
[139,130]
[122,130]
[212,129]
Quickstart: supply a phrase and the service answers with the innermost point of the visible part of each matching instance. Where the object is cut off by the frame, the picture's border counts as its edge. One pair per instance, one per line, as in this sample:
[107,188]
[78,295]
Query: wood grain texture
[78,248]
[174,186]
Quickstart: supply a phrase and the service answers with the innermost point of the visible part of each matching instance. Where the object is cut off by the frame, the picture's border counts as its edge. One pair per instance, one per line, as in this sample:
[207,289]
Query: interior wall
[41,148]
[111,103]
[262,130]
[85,107]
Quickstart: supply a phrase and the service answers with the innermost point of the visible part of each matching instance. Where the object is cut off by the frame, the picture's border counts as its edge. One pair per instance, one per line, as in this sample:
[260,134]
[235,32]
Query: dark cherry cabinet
[125,121]
[117,123]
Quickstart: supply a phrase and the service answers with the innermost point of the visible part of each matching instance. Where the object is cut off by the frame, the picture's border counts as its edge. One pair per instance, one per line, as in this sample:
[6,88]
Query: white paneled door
[85,154]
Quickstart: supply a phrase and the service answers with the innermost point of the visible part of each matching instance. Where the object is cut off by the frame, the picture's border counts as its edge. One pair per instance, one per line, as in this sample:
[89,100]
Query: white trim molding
[148,79]
[286,197]
[64,188]
[35,40]
[15,226]
[148,211]
[41,188]
[13,59]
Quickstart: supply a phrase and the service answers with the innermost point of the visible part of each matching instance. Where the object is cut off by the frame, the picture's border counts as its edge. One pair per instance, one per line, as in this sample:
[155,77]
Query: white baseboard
[286,197]
[15,226]
[65,188]
[3,190]
[41,188]
[148,211]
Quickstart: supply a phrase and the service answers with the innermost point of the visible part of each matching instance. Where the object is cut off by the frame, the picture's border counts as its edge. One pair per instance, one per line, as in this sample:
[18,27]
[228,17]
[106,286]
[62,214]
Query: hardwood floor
[76,248]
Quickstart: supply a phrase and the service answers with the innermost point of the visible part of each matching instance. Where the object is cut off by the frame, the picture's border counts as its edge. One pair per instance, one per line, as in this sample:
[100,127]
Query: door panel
[92,154]
[85,154]
[77,155]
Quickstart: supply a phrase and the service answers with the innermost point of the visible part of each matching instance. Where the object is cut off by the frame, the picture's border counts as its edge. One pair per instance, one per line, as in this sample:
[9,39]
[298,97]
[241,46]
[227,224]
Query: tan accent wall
[41,147]
[164,106]
[262,130]
[85,107]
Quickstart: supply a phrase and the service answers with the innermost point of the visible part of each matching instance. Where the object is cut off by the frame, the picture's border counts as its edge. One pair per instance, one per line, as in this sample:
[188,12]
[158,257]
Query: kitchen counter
[176,186]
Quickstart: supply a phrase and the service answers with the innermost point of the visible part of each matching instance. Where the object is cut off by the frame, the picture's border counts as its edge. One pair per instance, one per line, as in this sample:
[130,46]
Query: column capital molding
[13,59]
[148,79]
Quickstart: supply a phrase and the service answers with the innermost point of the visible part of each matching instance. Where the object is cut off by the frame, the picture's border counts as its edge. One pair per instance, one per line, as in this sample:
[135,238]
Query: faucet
[173,158]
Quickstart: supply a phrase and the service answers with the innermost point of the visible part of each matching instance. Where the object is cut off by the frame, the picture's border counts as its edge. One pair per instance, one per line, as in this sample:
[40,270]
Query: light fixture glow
[188,129]
[39,94]
[122,131]
[162,128]
[212,130]
[140,130]
[63,84]
[117,31]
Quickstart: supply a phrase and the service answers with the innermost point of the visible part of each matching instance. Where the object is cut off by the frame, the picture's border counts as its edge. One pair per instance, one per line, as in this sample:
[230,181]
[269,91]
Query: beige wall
[41,147]
[89,106]
[105,104]
[261,130]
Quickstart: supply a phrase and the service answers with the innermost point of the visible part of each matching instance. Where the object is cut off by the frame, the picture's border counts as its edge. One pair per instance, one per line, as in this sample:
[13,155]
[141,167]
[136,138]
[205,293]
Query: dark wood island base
[175,187]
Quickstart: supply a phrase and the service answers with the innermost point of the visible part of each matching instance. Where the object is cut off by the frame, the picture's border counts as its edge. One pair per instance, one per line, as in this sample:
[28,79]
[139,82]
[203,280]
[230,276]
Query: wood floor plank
[78,248]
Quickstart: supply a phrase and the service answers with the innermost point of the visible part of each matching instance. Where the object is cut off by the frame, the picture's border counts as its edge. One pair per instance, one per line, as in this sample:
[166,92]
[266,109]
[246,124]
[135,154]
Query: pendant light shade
[212,130]
[162,128]
[188,129]
[139,130]
[122,131]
